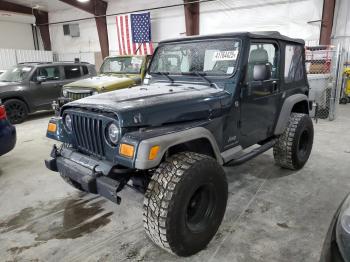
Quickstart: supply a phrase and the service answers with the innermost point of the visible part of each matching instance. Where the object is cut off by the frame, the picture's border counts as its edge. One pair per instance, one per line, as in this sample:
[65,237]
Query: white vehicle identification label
[225,55]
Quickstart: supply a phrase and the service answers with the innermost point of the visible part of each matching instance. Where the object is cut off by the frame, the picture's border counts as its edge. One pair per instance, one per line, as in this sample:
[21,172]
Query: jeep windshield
[200,58]
[122,65]
[16,74]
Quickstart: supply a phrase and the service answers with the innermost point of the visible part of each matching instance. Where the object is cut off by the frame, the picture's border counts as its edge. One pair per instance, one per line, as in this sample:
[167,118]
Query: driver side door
[46,91]
[260,98]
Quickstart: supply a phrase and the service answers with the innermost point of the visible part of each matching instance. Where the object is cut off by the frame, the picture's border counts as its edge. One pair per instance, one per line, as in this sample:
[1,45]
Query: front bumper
[8,137]
[90,173]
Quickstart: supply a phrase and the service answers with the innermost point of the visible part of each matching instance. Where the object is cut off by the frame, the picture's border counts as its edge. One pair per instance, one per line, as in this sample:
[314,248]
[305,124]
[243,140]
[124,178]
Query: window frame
[302,62]
[65,75]
[278,56]
[218,77]
[35,73]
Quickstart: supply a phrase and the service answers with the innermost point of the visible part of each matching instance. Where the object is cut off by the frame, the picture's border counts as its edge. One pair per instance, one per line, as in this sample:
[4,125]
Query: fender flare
[286,110]
[169,140]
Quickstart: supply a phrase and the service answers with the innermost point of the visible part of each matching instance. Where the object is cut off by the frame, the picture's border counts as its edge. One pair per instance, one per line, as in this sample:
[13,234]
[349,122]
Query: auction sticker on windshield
[225,55]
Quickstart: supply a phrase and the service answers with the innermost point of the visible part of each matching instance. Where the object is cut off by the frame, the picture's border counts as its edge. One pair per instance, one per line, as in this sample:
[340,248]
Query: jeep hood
[157,104]
[103,83]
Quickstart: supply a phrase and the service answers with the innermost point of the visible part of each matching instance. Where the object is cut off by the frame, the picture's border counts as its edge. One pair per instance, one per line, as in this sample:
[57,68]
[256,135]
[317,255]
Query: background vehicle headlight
[113,133]
[64,92]
[95,93]
[68,122]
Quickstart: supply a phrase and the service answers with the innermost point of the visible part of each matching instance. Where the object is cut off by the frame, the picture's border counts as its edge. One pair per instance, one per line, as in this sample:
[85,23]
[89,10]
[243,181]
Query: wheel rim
[304,143]
[200,208]
[15,112]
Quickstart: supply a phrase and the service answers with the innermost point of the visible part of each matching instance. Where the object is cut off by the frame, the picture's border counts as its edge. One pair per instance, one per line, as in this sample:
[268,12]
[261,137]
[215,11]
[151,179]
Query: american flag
[134,34]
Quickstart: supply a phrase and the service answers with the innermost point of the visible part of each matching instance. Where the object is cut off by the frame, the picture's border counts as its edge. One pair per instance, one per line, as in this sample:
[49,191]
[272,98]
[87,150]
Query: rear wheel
[185,203]
[293,147]
[16,110]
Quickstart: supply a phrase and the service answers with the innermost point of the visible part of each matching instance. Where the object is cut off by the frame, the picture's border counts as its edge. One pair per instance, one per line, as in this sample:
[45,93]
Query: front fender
[168,140]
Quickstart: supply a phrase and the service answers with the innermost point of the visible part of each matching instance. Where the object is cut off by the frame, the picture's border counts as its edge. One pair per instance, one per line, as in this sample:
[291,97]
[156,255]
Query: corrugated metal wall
[11,57]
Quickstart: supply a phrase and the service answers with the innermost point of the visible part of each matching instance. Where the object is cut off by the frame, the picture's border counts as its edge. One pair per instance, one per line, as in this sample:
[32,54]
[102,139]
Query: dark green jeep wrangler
[205,100]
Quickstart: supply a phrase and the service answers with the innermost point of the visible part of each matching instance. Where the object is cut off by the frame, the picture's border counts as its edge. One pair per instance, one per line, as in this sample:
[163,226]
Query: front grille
[88,132]
[76,96]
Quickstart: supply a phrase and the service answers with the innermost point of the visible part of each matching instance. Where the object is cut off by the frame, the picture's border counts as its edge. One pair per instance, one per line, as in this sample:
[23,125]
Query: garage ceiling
[46,5]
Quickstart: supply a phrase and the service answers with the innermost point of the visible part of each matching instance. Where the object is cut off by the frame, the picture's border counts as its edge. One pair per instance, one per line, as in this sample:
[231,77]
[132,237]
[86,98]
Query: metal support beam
[191,17]
[327,22]
[96,8]
[41,17]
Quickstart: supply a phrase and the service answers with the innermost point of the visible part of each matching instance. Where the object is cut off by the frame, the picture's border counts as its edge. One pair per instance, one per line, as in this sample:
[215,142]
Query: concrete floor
[272,214]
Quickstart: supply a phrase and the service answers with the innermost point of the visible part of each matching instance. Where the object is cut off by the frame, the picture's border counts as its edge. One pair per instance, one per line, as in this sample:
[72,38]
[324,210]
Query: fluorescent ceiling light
[83,1]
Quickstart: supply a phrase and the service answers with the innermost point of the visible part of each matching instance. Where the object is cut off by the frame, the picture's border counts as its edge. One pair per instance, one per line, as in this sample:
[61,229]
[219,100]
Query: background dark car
[336,247]
[7,133]
[29,87]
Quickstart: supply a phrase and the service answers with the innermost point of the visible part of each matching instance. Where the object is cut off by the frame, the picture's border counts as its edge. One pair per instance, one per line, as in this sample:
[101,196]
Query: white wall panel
[341,27]
[166,23]
[288,17]
[88,40]
[7,58]
[16,35]
[84,57]
[10,57]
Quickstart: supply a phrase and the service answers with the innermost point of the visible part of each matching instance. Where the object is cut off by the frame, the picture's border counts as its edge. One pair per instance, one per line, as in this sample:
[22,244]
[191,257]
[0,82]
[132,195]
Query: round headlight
[64,92]
[113,133]
[68,123]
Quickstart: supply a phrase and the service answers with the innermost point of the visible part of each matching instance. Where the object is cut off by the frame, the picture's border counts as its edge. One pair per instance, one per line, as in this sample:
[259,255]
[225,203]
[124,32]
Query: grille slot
[76,96]
[88,132]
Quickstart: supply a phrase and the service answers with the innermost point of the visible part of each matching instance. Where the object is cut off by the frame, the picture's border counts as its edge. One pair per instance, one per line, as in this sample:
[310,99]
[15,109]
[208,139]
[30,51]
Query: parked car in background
[336,247]
[7,133]
[116,72]
[29,87]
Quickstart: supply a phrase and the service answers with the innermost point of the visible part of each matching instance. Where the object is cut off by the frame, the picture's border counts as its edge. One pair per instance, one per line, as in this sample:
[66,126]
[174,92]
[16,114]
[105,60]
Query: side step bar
[255,152]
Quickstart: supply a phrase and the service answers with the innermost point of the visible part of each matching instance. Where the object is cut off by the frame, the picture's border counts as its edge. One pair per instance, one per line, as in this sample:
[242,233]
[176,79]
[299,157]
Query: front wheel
[16,110]
[185,203]
[293,147]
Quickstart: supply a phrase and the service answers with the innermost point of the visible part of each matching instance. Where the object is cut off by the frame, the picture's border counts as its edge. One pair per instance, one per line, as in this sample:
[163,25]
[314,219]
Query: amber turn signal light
[52,127]
[153,152]
[126,150]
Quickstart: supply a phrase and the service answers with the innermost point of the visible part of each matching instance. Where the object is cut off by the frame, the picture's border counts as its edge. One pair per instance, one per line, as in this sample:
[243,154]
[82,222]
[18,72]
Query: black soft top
[261,34]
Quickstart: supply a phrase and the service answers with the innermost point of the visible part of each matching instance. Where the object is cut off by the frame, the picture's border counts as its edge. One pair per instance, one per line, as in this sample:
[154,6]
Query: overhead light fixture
[83,1]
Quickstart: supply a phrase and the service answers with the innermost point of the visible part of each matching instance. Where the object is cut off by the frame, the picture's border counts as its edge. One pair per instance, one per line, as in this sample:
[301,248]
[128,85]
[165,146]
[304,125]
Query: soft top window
[293,69]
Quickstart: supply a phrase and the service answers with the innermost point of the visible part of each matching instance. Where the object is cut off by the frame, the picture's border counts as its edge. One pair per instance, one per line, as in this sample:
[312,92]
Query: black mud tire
[16,110]
[185,203]
[293,147]
[71,182]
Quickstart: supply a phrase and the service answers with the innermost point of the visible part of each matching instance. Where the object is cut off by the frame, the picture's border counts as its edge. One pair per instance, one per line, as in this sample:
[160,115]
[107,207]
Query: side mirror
[40,79]
[262,72]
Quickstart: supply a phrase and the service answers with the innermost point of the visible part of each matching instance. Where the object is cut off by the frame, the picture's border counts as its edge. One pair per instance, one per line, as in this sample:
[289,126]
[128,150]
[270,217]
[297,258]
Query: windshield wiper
[166,74]
[203,76]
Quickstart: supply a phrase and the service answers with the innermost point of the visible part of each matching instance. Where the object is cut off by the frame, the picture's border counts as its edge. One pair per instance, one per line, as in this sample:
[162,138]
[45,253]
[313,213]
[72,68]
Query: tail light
[2,112]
